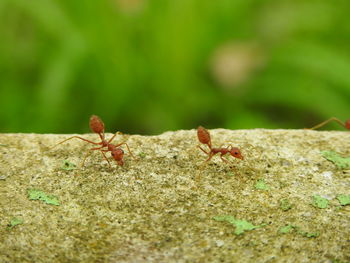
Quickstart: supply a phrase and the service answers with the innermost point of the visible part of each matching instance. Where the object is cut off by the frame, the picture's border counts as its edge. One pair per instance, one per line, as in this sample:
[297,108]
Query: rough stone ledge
[160,207]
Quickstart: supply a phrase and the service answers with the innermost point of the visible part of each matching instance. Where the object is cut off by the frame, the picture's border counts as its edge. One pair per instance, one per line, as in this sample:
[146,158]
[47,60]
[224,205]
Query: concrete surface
[160,206]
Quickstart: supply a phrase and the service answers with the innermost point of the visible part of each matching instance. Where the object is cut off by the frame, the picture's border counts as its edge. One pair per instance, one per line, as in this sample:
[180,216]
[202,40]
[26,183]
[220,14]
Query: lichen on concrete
[160,206]
[339,161]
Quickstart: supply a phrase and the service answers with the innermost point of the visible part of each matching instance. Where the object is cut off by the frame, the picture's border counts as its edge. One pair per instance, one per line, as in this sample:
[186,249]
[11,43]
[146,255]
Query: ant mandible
[204,137]
[97,126]
[345,124]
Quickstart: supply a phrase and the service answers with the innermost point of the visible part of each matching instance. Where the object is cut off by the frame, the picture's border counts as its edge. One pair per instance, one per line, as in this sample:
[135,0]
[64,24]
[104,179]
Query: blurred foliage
[147,66]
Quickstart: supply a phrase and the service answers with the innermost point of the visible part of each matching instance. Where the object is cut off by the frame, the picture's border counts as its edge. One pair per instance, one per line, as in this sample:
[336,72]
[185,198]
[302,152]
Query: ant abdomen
[347,124]
[96,124]
[203,135]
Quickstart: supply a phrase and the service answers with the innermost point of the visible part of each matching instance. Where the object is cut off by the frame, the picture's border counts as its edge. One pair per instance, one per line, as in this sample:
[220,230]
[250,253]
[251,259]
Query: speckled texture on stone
[160,207]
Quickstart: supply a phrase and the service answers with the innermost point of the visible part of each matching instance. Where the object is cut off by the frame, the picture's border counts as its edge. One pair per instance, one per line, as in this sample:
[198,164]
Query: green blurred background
[147,66]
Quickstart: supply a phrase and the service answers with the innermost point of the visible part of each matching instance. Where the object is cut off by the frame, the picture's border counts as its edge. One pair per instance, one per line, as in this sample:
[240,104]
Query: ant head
[347,124]
[96,124]
[235,152]
[118,155]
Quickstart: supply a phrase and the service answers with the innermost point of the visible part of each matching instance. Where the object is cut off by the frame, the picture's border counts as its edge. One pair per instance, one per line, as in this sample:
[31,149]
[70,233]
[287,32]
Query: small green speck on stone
[285,229]
[316,234]
[34,194]
[307,234]
[142,155]
[285,205]
[340,162]
[261,185]
[14,222]
[67,165]
[344,199]
[241,225]
[319,202]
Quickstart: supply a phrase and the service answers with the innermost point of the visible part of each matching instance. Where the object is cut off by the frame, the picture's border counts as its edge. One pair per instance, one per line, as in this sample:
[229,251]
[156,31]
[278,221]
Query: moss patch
[142,155]
[34,194]
[289,228]
[14,222]
[285,205]
[319,202]
[339,161]
[261,185]
[344,199]
[67,165]
[241,225]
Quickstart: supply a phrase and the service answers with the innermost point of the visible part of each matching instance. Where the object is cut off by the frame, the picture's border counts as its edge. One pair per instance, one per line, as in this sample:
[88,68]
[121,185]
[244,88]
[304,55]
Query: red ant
[204,137]
[97,126]
[345,124]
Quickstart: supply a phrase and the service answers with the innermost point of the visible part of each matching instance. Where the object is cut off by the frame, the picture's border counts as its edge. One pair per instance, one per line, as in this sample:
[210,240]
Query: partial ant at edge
[345,124]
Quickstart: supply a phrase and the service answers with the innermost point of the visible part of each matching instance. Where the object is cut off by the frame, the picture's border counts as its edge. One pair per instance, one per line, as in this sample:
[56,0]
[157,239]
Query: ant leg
[327,121]
[202,149]
[96,143]
[230,147]
[104,156]
[210,156]
[222,158]
[86,156]
[89,152]
[111,139]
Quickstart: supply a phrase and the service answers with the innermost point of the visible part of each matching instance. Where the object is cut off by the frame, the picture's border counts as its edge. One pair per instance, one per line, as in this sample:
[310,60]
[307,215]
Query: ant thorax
[220,150]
